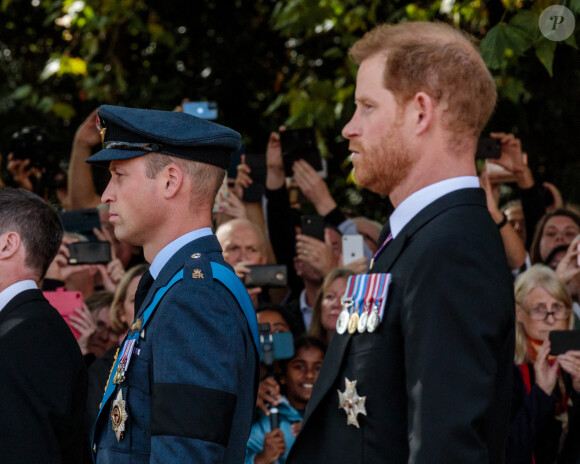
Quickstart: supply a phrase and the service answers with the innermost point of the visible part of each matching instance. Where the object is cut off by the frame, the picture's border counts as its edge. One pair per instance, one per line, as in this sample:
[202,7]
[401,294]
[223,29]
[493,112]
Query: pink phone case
[65,302]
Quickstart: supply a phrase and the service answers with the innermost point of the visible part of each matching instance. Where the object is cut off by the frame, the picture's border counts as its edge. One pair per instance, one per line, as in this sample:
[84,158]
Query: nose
[107,196]
[351,130]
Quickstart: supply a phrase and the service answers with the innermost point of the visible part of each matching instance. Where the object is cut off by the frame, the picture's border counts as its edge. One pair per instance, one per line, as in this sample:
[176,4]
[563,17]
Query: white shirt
[10,292]
[415,202]
[170,249]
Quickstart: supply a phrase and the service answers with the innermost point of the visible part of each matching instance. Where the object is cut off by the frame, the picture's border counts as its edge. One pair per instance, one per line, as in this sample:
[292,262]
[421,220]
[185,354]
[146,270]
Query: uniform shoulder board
[197,270]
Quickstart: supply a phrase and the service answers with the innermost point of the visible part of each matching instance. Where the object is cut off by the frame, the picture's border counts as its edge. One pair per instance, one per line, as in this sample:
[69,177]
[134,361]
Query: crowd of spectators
[540,232]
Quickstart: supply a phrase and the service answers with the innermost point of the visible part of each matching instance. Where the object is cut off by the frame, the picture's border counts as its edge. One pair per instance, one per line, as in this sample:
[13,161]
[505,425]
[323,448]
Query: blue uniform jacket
[288,416]
[190,388]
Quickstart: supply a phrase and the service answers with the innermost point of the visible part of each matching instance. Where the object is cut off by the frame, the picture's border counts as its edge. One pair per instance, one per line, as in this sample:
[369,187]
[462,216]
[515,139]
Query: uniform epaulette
[197,270]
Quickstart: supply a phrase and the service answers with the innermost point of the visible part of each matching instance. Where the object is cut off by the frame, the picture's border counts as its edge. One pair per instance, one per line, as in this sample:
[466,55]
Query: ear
[173,180]
[9,245]
[423,112]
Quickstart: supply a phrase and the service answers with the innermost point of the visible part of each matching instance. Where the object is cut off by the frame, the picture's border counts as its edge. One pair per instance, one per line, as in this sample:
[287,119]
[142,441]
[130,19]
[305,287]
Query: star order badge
[119,415]
[351,402]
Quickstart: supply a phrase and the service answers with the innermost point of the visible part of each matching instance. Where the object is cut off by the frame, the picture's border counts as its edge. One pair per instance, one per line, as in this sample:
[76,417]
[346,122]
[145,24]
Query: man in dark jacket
[428,379]
[43,378]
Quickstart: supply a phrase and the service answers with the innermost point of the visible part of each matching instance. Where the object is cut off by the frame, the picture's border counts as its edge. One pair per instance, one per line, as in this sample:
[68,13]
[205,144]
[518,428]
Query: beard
[382,166]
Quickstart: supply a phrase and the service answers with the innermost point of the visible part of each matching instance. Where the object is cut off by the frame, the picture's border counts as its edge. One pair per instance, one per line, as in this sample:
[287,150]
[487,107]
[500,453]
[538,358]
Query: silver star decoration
[352,404]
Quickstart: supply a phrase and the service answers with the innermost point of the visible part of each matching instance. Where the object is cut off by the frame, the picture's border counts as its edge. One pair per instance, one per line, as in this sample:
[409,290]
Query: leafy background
[268,63]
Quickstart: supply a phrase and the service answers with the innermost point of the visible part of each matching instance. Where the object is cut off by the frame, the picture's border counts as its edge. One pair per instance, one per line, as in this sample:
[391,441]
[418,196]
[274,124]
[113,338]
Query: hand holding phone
[300,144]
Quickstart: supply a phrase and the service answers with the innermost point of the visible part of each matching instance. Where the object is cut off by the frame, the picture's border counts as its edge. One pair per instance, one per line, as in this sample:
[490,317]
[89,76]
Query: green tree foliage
[269,63]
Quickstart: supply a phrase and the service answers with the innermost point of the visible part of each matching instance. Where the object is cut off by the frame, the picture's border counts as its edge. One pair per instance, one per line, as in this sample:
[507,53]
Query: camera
[275,346]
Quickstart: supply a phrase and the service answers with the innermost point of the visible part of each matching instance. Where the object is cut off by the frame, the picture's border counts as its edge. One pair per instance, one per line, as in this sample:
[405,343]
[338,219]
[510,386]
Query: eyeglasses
[150,147]
[541,313]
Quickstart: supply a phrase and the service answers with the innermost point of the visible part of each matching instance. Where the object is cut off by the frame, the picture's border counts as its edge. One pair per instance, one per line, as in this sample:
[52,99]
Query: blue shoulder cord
[221,274]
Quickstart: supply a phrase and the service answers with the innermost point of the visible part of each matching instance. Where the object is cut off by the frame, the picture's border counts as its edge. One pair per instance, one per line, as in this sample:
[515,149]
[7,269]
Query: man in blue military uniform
[184,383]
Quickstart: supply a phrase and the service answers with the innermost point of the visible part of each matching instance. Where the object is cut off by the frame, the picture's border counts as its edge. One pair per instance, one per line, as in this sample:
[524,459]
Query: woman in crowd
[546,390]
[267,445]
[122,310]
[327,306]
[556,228]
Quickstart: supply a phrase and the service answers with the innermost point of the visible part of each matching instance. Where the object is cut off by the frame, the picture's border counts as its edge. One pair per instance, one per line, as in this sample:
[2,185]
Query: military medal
[362,322]
[124,361]
[360,292]
[350,401]
[119,415]
[346,302]
[376,317]
[353,323]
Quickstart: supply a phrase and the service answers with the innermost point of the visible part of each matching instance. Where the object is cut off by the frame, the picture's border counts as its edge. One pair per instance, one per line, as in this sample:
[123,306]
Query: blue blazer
[191,386]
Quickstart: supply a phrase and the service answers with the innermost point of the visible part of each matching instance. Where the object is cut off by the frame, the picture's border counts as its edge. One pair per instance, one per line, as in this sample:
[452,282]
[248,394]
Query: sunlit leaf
[545,52]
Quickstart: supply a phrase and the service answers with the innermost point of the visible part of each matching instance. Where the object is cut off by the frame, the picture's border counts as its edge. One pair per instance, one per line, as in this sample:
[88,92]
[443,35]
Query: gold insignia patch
[137,324]
[197,274]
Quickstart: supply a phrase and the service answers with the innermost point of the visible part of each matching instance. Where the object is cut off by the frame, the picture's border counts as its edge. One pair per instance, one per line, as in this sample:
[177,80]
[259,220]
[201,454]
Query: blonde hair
[434,58]
[119,299]
[316,329]
[536,276]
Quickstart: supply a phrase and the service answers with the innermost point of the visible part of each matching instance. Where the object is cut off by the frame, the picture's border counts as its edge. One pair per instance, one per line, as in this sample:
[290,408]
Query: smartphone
[81,221]
[89,252]
[352,248]
[257,189]
[564,340]
[268,275]
[313,226]
[201,109]
[65,302]
[300,144]
[488,147]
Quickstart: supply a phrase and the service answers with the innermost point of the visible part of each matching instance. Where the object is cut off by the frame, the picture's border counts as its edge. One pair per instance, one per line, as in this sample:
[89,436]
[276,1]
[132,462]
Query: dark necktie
[144,285]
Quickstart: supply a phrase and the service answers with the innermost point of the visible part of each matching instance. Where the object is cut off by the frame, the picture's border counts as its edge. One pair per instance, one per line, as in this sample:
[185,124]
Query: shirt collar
[170,249]
[10,292]
[303,305]
[415,202]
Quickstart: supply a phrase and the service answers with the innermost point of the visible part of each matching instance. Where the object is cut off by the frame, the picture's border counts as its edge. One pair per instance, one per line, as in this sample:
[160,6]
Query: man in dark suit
[432,382]
[43,378]
[183,386]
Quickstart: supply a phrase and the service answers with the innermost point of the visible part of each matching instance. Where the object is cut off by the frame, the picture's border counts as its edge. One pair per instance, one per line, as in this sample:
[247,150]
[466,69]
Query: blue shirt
[170,249]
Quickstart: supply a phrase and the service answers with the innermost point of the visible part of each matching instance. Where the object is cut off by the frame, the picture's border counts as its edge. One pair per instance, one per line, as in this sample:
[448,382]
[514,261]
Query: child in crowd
[267,445]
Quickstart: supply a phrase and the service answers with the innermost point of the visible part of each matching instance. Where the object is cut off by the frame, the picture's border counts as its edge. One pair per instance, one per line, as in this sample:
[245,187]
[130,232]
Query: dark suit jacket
[43,384]
[191,388]
[437,373]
